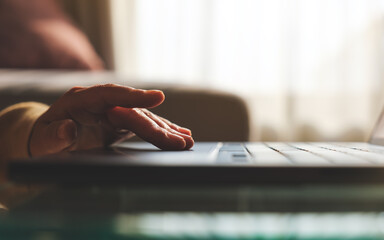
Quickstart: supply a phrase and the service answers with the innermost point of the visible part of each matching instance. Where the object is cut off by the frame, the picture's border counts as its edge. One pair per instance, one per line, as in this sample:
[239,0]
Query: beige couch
[212,115]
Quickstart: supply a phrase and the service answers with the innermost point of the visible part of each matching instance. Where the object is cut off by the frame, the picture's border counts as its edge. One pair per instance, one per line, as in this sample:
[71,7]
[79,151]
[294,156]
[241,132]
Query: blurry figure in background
[38,34]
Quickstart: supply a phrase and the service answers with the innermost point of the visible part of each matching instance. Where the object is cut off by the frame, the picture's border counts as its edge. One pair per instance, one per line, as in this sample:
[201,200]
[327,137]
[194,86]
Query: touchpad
[147,153]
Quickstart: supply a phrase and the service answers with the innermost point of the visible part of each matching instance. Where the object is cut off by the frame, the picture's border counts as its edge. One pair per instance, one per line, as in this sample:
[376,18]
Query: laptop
[218,163]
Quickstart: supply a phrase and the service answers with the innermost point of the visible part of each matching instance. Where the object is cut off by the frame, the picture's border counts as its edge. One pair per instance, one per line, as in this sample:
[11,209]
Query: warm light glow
[307,66]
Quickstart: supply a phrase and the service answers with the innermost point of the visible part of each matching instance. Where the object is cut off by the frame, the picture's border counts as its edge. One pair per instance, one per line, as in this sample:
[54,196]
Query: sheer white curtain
[310,69]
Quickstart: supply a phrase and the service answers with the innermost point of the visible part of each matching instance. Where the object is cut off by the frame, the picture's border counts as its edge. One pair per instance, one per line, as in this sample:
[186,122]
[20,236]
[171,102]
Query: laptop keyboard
[316,153]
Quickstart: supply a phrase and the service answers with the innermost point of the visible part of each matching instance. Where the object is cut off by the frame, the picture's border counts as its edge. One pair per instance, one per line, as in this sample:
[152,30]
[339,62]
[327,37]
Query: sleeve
[16,123]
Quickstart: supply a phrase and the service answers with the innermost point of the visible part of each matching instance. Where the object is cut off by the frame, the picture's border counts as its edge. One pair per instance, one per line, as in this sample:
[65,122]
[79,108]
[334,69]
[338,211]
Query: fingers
[146,128]
[97,98]
[176,127]
[53,137]
[171,127]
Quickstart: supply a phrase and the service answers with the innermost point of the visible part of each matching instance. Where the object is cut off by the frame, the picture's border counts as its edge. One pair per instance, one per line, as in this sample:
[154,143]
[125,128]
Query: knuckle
[105,89]
[72,91]
[100,88]
[106,85]
[132,112]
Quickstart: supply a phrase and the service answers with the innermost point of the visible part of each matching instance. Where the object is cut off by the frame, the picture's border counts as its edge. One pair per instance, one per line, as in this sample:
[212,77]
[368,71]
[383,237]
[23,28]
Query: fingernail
[186,130]
[154,91]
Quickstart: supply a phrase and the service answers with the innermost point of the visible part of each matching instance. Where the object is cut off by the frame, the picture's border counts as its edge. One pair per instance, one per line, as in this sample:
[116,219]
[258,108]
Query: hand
[89,117]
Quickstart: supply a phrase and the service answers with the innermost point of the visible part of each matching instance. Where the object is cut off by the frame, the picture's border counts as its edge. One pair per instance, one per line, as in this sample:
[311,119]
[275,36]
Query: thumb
[60,135]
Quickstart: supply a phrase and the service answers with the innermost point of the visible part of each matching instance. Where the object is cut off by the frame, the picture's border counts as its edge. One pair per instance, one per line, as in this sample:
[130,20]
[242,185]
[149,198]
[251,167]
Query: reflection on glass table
[278,212]
[187,225]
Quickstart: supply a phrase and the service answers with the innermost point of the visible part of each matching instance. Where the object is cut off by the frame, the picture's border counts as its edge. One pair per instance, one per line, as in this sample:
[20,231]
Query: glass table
[194,212]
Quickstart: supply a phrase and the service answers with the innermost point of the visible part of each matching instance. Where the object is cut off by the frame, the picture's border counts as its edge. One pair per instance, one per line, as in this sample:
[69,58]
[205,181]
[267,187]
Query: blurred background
[308,69]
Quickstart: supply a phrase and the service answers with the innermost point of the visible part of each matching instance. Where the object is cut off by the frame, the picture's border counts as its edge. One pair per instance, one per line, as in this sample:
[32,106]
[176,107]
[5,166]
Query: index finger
[97,99]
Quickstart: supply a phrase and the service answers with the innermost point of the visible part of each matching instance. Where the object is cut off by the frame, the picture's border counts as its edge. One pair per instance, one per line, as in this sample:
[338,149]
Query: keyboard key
[298,155]
[337,155]
[232,147]
[263,155]
[233,157]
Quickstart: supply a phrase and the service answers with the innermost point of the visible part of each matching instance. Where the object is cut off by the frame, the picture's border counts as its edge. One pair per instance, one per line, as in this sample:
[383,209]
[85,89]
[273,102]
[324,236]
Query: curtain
[309,69]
